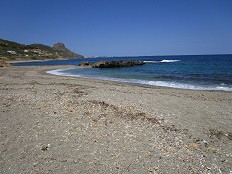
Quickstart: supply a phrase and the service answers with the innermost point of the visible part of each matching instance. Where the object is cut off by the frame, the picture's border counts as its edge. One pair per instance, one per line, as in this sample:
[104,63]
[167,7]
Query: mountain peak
[58,46]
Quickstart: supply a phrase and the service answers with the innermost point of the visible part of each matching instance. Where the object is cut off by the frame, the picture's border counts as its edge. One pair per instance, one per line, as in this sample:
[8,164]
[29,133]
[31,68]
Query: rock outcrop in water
[86,63]
[112,64]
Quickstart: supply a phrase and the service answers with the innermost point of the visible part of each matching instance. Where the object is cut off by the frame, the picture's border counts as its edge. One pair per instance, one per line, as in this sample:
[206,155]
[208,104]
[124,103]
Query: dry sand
[55,124]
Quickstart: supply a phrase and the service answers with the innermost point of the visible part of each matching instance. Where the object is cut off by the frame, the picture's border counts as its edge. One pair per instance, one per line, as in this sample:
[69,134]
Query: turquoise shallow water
[204,72]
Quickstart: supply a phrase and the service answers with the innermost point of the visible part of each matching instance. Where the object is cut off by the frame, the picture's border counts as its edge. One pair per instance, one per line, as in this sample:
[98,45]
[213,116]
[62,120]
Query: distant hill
[15,51]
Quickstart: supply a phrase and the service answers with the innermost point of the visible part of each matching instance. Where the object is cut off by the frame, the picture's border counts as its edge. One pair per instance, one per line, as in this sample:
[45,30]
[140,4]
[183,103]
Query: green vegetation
[14,51]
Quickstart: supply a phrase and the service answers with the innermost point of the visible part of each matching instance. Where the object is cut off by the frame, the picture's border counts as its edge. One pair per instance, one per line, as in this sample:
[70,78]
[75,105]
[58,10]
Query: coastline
[68,124]
[22,61]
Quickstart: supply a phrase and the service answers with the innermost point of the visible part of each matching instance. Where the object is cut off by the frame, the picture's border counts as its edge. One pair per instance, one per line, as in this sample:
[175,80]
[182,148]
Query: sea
[195,72]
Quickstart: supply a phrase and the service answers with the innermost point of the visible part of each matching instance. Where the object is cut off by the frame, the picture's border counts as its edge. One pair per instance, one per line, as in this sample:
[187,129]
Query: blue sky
[121,27]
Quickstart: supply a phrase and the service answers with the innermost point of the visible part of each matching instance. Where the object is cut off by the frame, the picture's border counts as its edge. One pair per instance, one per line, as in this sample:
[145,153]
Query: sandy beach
[55,124]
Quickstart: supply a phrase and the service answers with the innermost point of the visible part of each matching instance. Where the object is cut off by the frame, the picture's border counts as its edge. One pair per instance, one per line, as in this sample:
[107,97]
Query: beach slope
[55,124]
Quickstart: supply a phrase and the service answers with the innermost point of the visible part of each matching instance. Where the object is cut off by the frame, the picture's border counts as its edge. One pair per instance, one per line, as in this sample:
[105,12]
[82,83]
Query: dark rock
[4,63]
[44,147]
[86,63]
[116,64]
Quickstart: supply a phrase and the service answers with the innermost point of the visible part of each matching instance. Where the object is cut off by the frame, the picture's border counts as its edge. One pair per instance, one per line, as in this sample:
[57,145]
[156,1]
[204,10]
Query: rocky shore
[4,63]
[55,124]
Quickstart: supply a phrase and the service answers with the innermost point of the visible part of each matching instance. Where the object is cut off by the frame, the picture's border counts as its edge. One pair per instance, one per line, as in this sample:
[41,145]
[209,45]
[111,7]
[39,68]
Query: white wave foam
[60,72]
[161,61]
[168,61]
[168,84]
[186,86]
[56,71]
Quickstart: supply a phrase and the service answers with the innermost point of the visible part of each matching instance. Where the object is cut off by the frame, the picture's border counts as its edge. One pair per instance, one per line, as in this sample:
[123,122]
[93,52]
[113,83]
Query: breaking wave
[162,61]
[168,61]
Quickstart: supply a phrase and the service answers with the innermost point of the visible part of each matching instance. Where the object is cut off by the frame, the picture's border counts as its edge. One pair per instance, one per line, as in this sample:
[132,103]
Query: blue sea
[196,72]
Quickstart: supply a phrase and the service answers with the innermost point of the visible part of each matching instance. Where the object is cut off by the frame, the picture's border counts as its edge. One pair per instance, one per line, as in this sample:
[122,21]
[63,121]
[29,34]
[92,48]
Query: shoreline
[66,124]
[22,61]
[124,81]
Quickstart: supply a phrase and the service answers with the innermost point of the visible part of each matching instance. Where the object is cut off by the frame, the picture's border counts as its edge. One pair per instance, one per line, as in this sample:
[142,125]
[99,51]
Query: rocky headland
[13,51]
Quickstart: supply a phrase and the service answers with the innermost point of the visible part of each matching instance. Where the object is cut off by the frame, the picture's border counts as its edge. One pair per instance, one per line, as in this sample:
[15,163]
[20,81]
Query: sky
[121,27]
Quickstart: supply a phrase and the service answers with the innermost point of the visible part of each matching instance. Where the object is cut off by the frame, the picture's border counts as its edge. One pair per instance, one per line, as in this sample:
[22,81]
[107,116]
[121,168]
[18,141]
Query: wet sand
[55,124]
